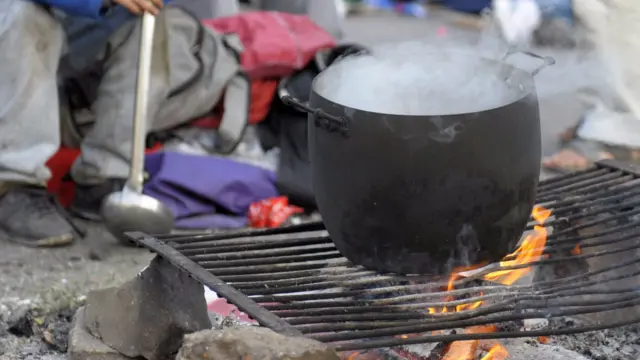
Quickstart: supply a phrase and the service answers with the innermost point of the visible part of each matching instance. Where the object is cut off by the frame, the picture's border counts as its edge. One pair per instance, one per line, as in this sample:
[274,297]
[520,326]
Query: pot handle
[546,60]
[320,118]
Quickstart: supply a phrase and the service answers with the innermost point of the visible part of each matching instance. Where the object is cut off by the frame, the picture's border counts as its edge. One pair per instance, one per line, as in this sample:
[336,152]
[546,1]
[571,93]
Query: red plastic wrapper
[271,213]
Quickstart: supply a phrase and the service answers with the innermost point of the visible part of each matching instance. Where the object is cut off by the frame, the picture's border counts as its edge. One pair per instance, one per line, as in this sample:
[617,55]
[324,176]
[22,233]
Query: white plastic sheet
[613,27]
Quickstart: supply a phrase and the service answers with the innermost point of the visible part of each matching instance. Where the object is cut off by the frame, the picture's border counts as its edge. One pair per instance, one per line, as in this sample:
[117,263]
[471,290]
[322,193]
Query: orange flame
[497,352]
[543,340]
[466,350]
[462,350]
[455,275]
[529,251]
[576,250]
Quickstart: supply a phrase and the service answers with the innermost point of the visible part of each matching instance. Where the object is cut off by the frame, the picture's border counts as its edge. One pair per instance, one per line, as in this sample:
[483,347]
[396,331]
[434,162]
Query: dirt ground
[93,262]
[30,276]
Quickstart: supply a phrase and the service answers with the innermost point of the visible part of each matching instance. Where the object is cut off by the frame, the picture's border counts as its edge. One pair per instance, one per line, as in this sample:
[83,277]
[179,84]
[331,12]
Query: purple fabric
[205,191]
[212,221]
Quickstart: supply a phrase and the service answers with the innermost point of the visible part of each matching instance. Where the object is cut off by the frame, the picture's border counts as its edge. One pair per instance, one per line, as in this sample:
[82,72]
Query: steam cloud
[416,78]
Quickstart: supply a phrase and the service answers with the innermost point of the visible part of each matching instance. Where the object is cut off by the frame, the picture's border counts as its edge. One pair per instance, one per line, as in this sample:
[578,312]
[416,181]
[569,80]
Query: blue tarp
[470,6]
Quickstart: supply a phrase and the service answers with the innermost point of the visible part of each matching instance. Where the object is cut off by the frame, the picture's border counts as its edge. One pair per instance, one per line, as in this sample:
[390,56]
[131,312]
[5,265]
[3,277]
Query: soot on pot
[415,78]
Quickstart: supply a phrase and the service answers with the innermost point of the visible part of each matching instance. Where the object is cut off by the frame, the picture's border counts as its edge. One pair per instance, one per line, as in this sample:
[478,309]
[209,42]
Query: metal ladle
[130,210]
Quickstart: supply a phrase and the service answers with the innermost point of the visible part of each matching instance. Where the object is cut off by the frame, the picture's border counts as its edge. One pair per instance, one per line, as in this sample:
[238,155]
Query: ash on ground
[621,343]
[28,334]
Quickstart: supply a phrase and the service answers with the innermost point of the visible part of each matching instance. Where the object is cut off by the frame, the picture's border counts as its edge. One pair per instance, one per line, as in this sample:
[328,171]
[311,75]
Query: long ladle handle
[139,129]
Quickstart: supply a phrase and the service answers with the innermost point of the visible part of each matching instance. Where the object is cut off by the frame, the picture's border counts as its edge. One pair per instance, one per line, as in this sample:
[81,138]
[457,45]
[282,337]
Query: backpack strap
[321,61]
[236,102]
[325,57]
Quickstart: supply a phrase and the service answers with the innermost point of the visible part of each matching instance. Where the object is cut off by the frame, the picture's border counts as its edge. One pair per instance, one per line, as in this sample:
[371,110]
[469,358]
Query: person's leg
[104,163]
[30,46]
[609,129]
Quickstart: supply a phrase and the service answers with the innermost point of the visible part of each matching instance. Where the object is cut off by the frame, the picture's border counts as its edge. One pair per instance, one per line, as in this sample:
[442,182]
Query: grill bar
[295,282]
[374,344]
[223,289]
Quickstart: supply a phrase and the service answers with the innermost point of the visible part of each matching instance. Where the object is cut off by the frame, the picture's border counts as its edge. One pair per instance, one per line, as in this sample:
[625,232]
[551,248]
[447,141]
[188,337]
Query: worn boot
[31,217]
[87,199]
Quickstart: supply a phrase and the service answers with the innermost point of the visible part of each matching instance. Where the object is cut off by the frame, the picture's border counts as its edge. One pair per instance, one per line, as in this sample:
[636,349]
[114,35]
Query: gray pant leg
[30,46]
[106,148]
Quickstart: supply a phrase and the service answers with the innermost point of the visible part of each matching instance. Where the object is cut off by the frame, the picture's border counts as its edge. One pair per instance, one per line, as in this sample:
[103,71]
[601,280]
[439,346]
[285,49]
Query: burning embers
[468,350]
[513,267]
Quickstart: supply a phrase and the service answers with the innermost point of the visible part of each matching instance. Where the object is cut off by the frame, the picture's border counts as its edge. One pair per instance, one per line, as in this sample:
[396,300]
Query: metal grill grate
[294,281]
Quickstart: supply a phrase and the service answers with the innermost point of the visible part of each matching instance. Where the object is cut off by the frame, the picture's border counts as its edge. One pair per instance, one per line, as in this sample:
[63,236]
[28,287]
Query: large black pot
[425,194]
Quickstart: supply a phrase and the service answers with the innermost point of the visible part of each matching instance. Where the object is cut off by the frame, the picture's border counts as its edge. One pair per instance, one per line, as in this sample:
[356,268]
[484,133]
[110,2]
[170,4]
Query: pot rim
[527,81]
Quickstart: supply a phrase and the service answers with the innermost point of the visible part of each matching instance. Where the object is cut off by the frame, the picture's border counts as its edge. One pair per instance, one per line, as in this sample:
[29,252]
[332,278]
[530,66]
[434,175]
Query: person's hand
[139,7]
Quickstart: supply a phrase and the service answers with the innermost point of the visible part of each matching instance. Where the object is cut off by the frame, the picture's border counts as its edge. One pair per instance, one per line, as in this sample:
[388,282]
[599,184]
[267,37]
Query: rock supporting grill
[294,281]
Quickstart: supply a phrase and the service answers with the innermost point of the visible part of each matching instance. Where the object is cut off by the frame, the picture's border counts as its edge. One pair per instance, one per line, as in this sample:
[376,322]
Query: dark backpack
[286,128]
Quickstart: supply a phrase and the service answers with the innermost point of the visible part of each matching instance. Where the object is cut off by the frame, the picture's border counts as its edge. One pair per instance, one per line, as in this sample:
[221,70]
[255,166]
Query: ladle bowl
[128,210]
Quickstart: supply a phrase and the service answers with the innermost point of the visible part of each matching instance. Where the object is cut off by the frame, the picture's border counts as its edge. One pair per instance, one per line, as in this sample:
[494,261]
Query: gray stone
[84,346]
[252,342]
[149,315]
